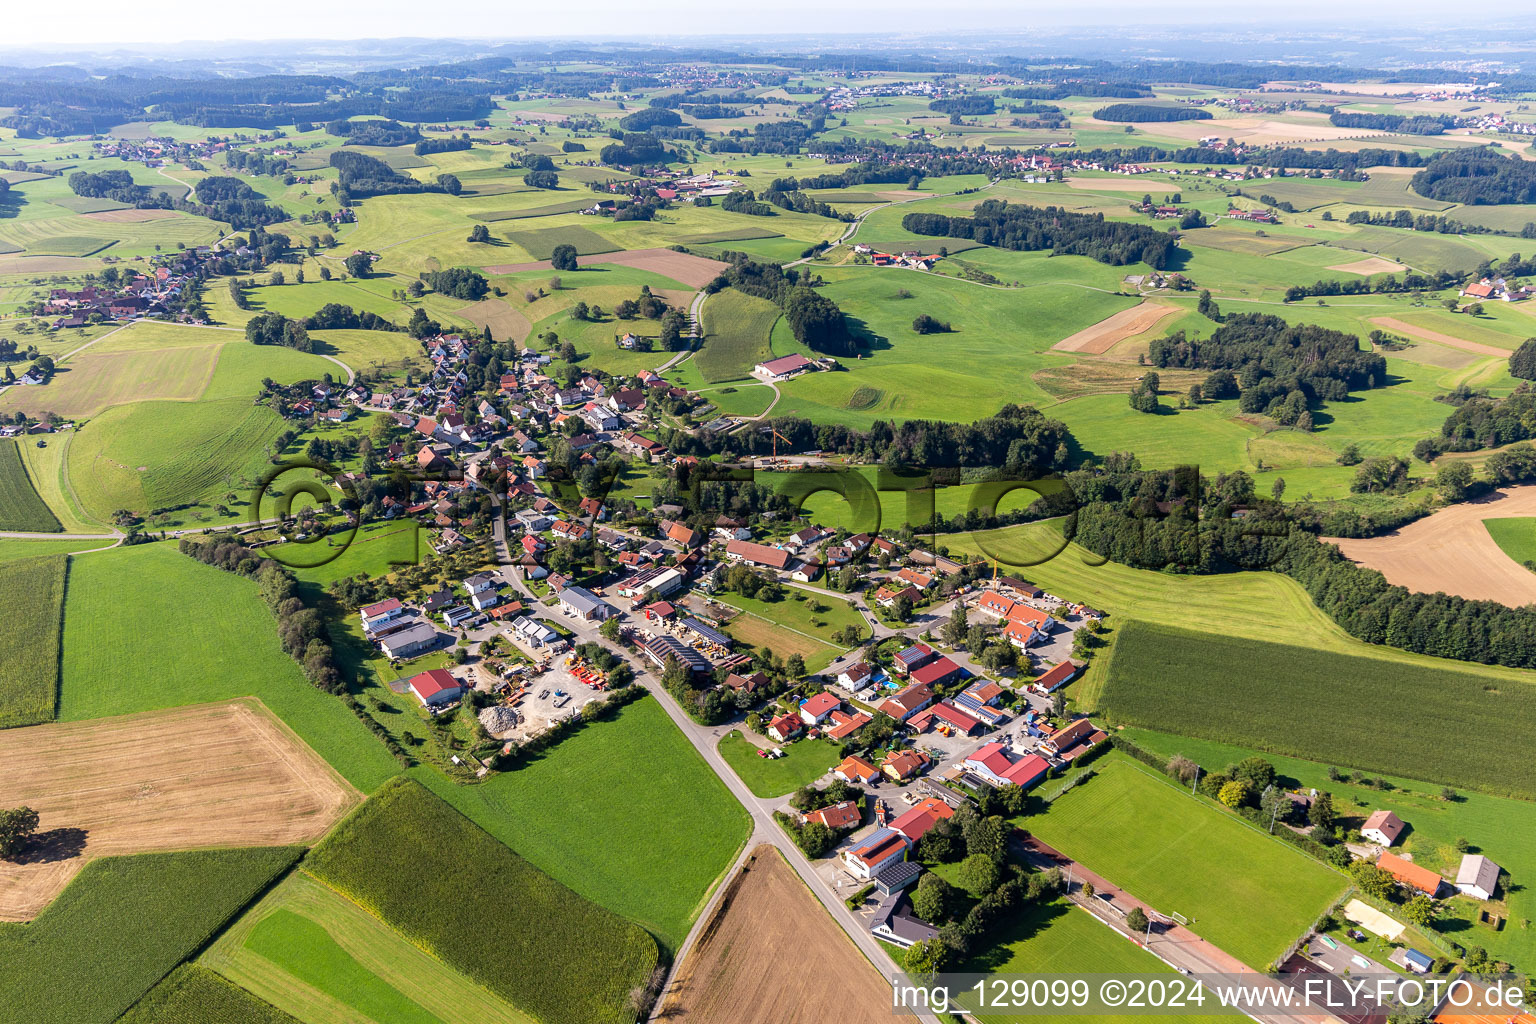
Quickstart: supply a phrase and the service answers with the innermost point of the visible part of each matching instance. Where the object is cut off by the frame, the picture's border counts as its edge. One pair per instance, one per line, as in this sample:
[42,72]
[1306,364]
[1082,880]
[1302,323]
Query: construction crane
[777,437]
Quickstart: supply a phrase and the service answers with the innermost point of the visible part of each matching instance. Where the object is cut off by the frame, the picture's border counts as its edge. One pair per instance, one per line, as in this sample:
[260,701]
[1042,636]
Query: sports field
[1181,855]
[585,794]
[212,775]
[21,508]
[317,955]
[147,627]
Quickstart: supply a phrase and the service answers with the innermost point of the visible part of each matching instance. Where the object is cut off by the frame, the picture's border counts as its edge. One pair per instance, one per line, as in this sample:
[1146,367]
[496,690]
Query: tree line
[1416,124]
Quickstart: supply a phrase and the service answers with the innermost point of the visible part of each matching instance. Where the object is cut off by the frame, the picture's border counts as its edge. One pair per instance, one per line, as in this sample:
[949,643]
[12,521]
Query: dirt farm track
[225,774]
[1452,551]
[771,954]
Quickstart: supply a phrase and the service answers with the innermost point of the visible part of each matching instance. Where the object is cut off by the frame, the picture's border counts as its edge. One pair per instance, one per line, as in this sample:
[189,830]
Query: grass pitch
[1242,890]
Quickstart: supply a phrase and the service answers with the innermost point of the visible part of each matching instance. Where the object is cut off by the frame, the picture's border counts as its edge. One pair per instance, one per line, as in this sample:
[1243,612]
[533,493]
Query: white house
[1383,828]
[1477,877]
[485,599]
[878,850]
[585,605]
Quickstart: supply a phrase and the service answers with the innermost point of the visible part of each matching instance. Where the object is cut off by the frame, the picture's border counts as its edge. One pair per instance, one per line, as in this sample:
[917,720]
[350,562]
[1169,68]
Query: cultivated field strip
[211,775]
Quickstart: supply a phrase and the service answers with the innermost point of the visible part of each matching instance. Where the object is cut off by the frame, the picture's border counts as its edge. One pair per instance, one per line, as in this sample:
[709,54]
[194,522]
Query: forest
[1029,228]
[1419,124]
[1476,177]
[1150,112]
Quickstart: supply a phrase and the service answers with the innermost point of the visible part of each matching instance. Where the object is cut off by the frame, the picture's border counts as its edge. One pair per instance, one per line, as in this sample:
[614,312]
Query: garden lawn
[1515,537]
[818,615]
[123,924]
[631,787]
[22,509]
[29,637]
[803,762]
[494,917]
[147,627]
[1181,855]
[1321,705]
[195,995]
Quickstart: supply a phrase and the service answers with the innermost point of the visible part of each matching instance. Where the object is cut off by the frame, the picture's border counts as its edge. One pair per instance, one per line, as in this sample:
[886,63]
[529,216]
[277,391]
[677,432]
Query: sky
[98,22]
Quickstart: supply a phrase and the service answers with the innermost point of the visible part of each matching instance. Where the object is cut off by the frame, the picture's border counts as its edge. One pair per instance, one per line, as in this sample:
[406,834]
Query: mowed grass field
[610,787]
[147,627]
[1516,537]
[22,509]
[195,995]
[314,953]
[1322,705]
[29,636]
[1499,827]
[1181,855]
[487,913]
[737,328]
[1058,937]
[121,926]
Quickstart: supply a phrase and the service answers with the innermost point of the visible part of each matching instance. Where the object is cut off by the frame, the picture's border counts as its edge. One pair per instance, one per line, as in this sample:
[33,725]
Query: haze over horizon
[97,23]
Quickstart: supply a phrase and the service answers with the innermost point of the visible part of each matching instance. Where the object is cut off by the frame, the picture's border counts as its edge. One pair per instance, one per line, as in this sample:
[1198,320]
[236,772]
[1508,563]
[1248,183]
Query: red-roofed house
[842,815]
[1058,676]
[841,725]
[756,554]
[785,727]
[938,672]
[816,710]
[880,850]
[782,368]
[949,714]
[855,769]
[904,764]
[908,701]
[993,763]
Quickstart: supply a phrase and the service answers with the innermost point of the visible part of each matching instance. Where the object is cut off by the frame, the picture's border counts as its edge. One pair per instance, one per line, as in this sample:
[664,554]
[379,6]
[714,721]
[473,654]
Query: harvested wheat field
[1108,333]
[130,216]
[1402,327]
[504,321]
[226,774]
[771,954]
[1452,551]
[1367,267]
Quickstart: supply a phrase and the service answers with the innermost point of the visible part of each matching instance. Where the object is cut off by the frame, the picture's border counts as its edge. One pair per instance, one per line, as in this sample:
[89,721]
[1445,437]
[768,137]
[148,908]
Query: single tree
[563,257]
[978,875]
[1136,920]
[16,827]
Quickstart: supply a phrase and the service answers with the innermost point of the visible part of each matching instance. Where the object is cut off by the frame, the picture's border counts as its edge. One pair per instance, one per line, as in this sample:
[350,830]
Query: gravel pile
[498,719]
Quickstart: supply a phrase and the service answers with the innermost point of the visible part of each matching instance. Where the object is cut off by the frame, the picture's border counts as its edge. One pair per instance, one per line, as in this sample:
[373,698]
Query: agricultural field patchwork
[580,963]
[29,672]
[195,995]
[21,508]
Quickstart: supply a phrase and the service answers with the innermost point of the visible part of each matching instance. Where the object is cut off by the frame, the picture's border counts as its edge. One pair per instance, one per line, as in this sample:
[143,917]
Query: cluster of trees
[300,628]
[333,316]
[1061,90]
[117,186]
[783,194]
[816,320]
[373,133]
[814,838]
[426,146]
[925,324]
[459,282]
[1282,368]
[1030,228]
[1476,177]
[1408,220]
[1150,112]
[1417,124]
[362,176]
[973,105]
[645,119]
[220,197]
[17,826]
[634,148]
[256,162]
[272,328]
[1486,422]
[743,200]
[1144,394]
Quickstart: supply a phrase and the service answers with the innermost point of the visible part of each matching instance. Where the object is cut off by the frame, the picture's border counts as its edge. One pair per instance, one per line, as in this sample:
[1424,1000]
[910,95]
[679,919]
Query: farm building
[782,368]
[1382,828]
[946,714]
[409,642]
[1410,874]
[1477,876]
[757,554]
[435,687]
